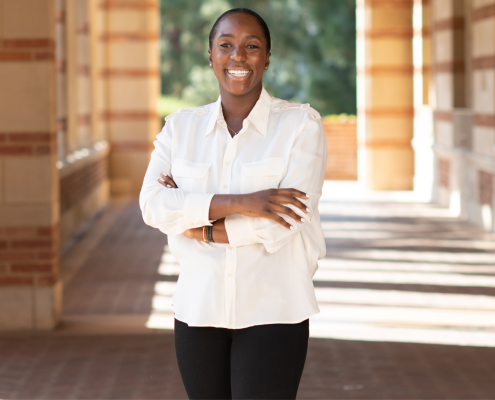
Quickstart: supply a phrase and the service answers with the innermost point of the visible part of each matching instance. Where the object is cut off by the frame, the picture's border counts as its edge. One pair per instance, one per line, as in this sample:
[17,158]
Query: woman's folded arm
[173,211]
[305,172]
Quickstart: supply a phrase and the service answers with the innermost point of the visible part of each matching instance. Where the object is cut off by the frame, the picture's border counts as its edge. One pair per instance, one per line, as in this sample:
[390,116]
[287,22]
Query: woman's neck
[237,108]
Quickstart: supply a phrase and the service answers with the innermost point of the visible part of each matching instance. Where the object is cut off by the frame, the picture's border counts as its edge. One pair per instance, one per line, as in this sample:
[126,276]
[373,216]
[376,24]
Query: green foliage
[170,104]
[340,118]
[313,50]
[203,86]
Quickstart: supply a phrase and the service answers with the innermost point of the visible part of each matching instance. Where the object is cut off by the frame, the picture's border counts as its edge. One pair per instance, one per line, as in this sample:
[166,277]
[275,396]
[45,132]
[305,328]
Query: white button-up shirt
[264,275]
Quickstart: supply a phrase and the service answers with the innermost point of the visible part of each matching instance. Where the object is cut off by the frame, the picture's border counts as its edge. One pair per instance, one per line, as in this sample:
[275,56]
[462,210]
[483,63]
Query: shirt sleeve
[171,210]
[305,172]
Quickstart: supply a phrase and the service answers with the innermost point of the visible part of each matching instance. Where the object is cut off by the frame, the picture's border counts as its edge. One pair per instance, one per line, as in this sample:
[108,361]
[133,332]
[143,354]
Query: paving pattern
[407,294]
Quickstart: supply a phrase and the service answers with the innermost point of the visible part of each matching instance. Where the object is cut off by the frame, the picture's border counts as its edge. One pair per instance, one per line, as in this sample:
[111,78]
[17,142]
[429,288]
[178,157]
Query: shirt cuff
[240,231]
[197,209]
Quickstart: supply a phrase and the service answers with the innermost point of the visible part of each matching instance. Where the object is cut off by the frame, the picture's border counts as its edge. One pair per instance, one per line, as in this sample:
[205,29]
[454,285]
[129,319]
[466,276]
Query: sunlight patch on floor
[377,315]
[402,298]
[406,278]
[332,263]
[456,258]
[162,316]
[387,333]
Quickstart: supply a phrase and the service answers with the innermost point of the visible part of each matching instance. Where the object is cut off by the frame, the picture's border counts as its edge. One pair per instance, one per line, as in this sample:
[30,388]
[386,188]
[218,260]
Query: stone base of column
[390,169]
[30,308]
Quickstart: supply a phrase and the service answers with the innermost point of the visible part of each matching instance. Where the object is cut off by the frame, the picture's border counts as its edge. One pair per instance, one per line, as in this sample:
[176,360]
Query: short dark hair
[261,23]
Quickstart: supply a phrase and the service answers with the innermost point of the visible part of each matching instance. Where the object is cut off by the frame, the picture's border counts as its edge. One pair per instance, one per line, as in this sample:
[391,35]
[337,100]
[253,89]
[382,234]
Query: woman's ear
[267,62]
[209,59]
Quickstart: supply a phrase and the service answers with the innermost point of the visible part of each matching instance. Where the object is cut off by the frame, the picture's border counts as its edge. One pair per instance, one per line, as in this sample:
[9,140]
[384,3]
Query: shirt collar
[258,116]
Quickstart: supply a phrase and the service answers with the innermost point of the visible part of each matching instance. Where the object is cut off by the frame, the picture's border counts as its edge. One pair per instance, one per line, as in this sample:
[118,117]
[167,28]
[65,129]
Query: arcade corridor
[407,299]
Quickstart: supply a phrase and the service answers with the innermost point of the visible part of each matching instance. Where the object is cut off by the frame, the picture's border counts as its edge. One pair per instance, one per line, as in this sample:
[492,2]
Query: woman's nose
[238,54]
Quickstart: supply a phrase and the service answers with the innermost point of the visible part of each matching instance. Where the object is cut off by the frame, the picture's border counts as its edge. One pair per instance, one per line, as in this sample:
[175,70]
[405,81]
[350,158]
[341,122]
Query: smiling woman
[235,184]
[239,54]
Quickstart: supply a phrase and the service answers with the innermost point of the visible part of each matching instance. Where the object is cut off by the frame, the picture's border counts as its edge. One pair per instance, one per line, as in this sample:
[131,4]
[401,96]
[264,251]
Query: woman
[235,185]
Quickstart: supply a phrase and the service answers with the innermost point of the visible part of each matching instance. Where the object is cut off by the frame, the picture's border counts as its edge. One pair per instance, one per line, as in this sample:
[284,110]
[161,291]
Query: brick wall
[29,256]
[77,185]
[485,189]
[27,144]
[84,190]
[342,149]
[26,49]
[444,172]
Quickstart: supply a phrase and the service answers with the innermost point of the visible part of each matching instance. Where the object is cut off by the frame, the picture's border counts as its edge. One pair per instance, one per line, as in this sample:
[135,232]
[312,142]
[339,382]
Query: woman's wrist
[219,232]
[223,205]
[237,203]
[195,233]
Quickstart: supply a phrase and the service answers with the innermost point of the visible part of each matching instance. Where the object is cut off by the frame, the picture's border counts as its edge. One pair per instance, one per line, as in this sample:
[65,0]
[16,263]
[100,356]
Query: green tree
[313,50]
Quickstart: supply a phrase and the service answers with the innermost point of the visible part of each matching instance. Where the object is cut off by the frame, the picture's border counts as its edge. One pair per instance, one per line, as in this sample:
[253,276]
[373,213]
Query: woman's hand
[190,233]
[263,204]
[269,203]
[167,181]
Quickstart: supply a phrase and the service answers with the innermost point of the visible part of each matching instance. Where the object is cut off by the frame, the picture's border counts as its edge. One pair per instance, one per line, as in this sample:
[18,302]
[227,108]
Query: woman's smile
[238,74]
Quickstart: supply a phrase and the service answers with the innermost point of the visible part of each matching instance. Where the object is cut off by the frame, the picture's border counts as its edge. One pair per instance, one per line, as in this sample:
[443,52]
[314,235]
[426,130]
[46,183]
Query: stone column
[30,289]
[385,93]
[129,87]
[82,153]
[423,118]
[483,87]
[61,78]
[426,44]
[83,63]
[449,100]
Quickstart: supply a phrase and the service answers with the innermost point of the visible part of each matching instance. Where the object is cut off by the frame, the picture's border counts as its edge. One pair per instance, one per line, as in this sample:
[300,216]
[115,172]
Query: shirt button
[227,164]
[230,275]
[225,186]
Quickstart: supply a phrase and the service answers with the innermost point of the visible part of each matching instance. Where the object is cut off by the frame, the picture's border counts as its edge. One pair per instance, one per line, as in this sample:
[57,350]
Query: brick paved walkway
[407,295]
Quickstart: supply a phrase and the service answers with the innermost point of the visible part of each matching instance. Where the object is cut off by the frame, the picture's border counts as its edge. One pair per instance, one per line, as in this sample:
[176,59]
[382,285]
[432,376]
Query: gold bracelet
[205,239]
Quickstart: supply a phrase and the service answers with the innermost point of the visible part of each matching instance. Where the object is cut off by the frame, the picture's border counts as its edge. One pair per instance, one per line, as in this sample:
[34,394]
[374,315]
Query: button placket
[231,257]
[228,159]
[230,289]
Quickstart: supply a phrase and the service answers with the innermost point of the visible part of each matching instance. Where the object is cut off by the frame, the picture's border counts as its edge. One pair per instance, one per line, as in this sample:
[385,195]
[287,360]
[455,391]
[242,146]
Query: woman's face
[238,54]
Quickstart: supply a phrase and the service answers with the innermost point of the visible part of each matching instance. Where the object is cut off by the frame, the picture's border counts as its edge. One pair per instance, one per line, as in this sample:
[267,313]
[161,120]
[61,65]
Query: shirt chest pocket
[190,177]
[261,175]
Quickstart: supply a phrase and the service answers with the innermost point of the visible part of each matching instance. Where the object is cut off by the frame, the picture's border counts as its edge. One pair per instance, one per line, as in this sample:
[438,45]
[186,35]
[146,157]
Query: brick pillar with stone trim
[30,288]
[483,53]
[129,87]
[448,24]
[483,87]
[385,93]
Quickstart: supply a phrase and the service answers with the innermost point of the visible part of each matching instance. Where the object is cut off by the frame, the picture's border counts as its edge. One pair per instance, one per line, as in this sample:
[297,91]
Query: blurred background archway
[406,89]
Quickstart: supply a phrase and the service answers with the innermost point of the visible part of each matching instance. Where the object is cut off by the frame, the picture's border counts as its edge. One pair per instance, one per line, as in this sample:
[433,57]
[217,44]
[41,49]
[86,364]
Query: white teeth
[237,72]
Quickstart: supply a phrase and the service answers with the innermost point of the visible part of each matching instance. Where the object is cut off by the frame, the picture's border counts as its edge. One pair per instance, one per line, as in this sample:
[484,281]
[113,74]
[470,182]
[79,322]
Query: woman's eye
[225,45]
[252,46]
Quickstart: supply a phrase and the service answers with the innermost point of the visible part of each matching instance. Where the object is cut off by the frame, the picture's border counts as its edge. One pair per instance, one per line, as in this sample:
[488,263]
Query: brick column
[385,93]
[61,78]
[30,290]
[83,72]
[449,102]
[426,42]
[423,119]
[129,87]
[483,86]
[484,78]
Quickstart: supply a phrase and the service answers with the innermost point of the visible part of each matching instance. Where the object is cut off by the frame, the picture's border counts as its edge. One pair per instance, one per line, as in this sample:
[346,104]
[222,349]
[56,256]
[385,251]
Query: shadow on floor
[391,285]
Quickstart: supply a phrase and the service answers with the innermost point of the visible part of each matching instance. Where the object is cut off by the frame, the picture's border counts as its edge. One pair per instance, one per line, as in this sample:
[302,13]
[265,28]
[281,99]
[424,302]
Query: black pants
[259,362]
